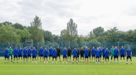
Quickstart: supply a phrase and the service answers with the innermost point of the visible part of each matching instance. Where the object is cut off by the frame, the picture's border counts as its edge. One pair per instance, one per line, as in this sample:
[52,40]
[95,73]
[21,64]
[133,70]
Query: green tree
[36,31]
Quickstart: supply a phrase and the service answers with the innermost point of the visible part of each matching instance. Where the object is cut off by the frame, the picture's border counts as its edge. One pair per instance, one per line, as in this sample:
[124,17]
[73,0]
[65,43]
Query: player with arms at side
[129,55]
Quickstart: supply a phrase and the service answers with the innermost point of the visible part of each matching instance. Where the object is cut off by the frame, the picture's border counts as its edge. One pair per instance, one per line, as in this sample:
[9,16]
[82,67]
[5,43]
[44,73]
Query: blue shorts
[41,55]
[29,55]
[115,56]
[33,56]
[97,56]
[64,56]
[46,56]
[86,56]
[19,55]
[93,55]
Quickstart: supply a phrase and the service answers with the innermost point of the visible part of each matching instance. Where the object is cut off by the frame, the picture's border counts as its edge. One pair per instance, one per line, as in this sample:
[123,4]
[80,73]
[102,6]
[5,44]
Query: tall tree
[72,33]
[37,33]
[72,28]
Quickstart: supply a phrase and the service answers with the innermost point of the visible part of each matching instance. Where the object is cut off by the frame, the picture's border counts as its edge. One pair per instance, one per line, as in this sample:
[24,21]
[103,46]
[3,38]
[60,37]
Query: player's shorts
[74,56]
[122,56]
[6,56]
[19,55]
[69,54]
[29,55]
[64,56]
[15,56]
[106,57]
[86,56]
[45,56]
[93,55]
[34,56]
[97,56]
[24,56]
[129,57]
[50,55]
[115,56]
[41,55]
[54,57]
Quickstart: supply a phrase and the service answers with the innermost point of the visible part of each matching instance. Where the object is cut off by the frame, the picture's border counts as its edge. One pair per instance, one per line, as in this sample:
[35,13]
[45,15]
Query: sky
[87,14]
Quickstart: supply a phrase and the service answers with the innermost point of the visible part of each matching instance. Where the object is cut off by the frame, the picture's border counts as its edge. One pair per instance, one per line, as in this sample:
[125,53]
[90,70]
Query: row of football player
[85,53]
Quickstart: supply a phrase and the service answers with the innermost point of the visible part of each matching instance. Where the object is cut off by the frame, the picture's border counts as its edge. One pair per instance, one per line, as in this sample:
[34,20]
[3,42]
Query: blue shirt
[41,51]
[116,52]
[46,53]
[74,53]
[29,52]
[34,52]
[20,52]
[86,52]
[106,53]
[15,52]
[25,52]
[50,51]
[54,53]
[97,53]
[93,51]
[64,52]
[122,51]
[6,53]
[129,52]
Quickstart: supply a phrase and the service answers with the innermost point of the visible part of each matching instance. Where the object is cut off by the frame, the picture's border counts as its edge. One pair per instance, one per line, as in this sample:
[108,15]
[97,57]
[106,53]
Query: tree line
[18,35]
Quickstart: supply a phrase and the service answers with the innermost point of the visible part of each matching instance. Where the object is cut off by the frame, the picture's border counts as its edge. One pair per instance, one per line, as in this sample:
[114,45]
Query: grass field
[67,69]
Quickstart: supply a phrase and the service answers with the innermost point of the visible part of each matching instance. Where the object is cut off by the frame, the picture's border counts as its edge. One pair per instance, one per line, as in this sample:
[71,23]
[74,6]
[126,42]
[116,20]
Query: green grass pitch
[67,69]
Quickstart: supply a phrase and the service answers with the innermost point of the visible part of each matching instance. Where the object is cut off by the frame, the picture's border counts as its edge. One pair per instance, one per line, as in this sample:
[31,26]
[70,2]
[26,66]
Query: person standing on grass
[116,54]
[34,55]
[58,53]
[74,53]
[29,53]
[64,53]
[112,52]
[78,52]
[50,53]
[54,56]
[103,53]
[11,53]
[122,53]
[41,53]
[6,55]
[82,54]
[93,53]
[20,54]
[106,55]
[86,54]
[25,55]
[15,54]
[46,55]
[69,54]
[97,55]
[129,55]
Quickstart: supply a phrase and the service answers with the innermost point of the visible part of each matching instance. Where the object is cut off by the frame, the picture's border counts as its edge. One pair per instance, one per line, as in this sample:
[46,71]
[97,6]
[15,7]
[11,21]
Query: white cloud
[55,14]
